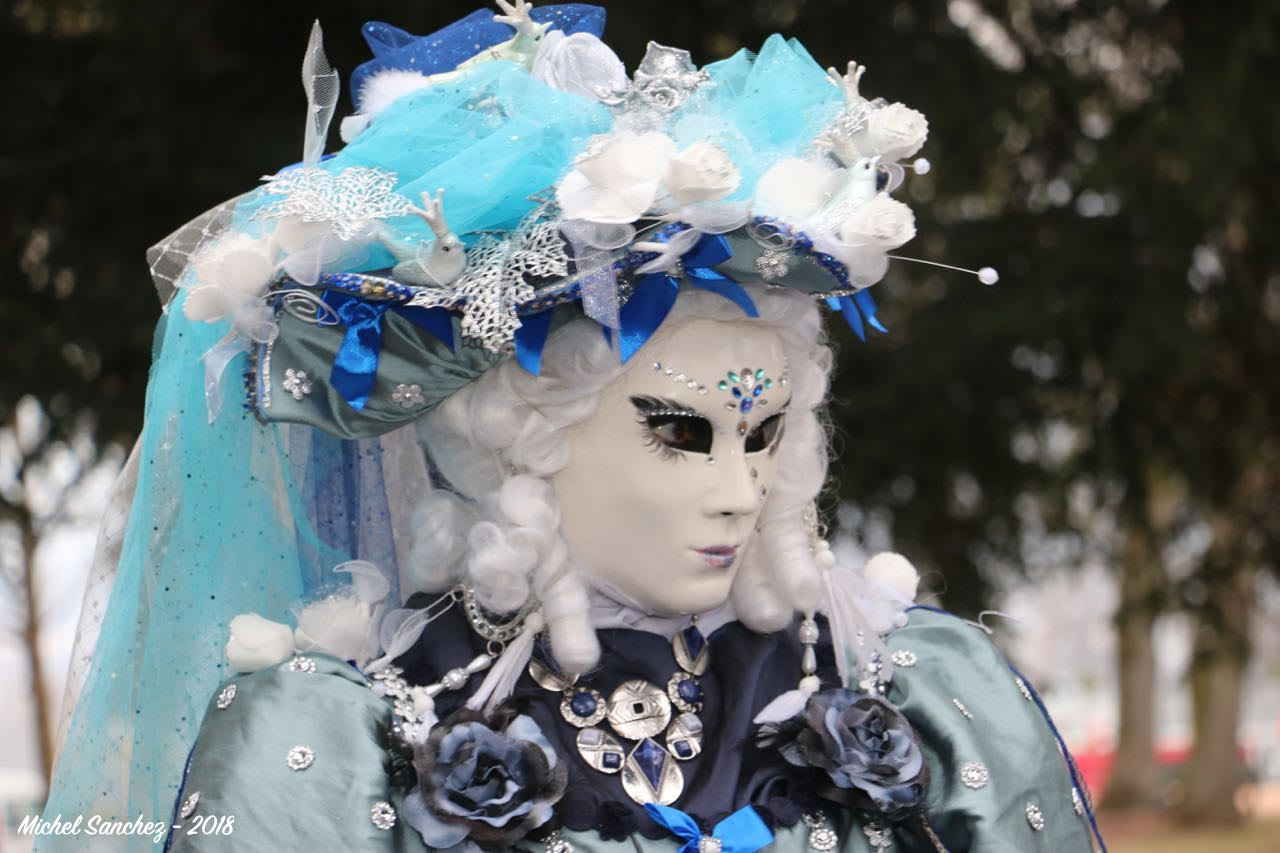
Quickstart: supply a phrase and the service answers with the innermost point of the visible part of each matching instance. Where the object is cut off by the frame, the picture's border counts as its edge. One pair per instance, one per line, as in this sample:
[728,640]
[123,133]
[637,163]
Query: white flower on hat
[881,223]
[893,132]
[701,172]
[229,276]
[619,182]
[580,64]
[795,190]
[258,643]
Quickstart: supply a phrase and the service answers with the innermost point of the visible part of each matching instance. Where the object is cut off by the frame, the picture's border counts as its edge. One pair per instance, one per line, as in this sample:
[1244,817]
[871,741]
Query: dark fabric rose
[867,748]
[616,822]
[492,781]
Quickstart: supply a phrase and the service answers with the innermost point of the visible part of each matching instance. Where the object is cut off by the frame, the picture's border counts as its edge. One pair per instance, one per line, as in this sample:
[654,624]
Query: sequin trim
[962,709]
[1022,688]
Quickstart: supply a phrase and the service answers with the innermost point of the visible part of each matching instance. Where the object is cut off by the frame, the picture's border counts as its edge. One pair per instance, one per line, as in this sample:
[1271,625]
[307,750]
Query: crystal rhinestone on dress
[974,775]
[189,805]
[300,757]
[226,696]
[382,815]
[1035,817]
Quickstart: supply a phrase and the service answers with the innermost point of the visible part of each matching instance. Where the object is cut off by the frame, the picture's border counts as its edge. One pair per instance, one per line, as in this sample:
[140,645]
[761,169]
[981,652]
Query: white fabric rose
[337,625]
[580,64]
[258,643]
[881,223]
[893,133]
[701,172]
[228,275]
[619,182]
[794,190]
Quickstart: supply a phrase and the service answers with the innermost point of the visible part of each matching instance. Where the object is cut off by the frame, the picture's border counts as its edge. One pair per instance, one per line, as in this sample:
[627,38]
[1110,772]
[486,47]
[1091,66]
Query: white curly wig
[499,440]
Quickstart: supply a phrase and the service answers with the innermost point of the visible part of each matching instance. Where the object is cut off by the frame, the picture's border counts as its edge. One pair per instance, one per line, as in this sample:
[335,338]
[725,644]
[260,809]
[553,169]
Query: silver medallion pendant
[547,678]
[582,707]
[685,692]
[691,651]
[637,709]
[601,750]
[684,738]
[650,775]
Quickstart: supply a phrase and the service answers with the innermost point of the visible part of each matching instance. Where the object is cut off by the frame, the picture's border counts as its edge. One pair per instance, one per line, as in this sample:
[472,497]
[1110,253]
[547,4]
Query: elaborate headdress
[505,174]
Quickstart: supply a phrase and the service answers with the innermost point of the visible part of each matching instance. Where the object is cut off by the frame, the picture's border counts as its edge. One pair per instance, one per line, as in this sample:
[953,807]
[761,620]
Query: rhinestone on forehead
[680,378]
[747,387]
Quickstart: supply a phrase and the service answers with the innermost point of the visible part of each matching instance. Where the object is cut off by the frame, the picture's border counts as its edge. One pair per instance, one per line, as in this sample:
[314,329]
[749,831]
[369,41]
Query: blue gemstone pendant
[650,775]
[582,707]
[684,737]
[685,692]
[690,649]
[601,750]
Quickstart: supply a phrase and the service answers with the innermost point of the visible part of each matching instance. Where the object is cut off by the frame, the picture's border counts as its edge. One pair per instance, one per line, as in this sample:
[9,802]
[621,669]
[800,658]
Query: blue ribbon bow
[656,293]
[850,306]
[355,369]
[741,832]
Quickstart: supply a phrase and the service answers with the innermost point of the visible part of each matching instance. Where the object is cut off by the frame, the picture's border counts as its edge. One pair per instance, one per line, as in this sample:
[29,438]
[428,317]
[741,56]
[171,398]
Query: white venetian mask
[666,480]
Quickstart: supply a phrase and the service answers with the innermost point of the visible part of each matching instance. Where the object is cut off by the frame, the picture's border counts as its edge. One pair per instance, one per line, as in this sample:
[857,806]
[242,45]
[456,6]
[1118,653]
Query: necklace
[639,711]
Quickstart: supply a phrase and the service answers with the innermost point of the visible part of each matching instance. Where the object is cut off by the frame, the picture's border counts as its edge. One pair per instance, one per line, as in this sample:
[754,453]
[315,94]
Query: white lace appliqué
[349,200]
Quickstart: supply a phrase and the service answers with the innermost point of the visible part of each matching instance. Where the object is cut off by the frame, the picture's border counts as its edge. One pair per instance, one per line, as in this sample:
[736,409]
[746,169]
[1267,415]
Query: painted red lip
[719,550]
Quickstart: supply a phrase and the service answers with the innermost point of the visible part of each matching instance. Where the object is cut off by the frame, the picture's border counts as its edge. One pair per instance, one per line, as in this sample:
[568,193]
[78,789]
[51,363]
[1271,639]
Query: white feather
[786,706]
[382,89]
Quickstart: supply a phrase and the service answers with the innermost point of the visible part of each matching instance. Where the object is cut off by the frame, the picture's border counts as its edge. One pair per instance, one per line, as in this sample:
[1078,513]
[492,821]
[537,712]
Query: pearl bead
[988,275]
[825,559]
[810,684]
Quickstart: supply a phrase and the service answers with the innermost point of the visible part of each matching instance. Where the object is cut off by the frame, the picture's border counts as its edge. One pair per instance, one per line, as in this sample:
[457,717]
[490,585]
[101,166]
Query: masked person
[517,548]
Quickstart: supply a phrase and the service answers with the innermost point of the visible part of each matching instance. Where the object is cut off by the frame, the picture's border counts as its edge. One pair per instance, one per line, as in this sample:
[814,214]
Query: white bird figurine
[442,263]
[861,183]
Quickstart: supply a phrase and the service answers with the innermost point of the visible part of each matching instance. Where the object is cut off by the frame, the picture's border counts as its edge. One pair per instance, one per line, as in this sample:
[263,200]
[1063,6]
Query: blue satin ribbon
[741,832]
[531,337]
[355,368]
[656,292]
[855,308]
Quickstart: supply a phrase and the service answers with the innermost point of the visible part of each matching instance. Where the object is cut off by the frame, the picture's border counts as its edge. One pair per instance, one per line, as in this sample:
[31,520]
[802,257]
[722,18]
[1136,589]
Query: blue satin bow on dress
[741,832]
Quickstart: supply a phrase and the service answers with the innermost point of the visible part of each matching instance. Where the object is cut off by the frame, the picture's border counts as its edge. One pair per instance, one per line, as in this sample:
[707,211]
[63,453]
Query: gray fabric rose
[866,747]
[491,781]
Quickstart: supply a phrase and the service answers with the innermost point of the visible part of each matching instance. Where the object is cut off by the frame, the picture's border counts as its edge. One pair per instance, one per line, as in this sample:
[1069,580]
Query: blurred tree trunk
[43,709]
[1134,779]
[1219,659]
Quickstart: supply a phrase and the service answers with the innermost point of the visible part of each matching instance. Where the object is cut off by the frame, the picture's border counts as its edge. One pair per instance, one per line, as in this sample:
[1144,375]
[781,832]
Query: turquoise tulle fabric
[764,107]
[229,517]
[492,140]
